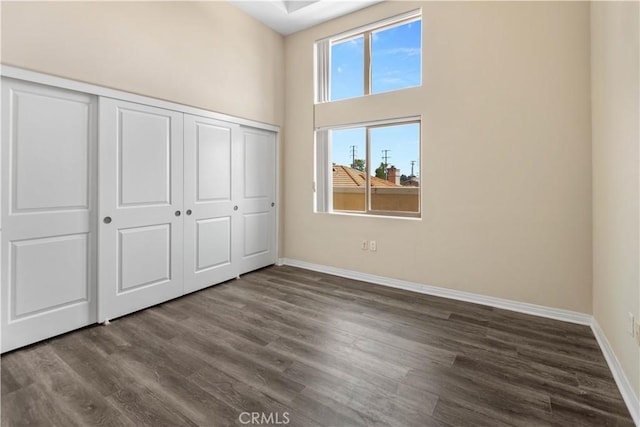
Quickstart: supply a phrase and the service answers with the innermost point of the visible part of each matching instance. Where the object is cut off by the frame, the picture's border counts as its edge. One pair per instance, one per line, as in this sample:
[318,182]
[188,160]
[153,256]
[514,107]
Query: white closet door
[140,224]
[210,225]
[257,200]
[48,147]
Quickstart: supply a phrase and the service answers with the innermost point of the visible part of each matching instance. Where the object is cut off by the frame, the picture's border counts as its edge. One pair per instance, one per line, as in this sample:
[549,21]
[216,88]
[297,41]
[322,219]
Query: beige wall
[616,216]
[506,154]
[204,54]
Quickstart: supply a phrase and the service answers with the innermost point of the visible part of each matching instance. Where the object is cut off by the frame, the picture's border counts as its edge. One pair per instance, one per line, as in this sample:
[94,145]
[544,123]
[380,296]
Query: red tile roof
[344,176]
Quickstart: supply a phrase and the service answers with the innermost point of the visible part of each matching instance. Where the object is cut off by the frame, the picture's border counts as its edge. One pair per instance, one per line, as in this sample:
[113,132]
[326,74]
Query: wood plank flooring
[314,350]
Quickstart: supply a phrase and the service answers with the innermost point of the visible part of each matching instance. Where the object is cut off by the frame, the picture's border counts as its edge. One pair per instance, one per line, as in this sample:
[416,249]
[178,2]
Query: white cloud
[391,80]
[406,51]
[396,77]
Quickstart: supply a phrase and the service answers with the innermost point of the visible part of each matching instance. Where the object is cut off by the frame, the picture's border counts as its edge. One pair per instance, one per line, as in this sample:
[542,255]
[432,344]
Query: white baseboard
[536,310]
[629,396]
[631,400]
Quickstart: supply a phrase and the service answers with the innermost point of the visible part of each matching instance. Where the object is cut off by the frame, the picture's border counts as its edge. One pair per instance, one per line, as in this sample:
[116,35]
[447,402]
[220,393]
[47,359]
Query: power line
[385,157]
[353,149]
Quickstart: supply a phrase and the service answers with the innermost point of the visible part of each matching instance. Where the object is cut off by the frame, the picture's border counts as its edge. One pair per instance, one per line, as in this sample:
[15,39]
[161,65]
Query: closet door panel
[149,246]
[256,233]
[61,262]
[141,168]
[257,199]
[48,151]
[213,145]
[39,182]
[144,161]
[211,225]
[213,246]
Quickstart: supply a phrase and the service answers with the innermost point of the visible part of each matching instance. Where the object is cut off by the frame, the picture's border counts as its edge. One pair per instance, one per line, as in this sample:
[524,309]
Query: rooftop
[344,176]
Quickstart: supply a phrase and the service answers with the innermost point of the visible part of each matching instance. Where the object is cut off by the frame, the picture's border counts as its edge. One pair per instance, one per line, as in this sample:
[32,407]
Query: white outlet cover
[631,325]
[373,246]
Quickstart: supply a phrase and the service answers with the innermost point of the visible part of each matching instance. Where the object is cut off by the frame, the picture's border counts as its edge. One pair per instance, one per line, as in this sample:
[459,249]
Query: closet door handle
[188,211]
[107,220]
[177,213]
[235,208]
[272,204]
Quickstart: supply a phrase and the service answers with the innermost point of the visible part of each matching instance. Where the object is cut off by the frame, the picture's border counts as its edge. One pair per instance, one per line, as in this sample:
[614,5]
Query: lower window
[371,168]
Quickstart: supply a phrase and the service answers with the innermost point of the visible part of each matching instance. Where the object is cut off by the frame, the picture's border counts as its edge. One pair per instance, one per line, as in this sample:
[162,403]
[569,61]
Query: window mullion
[323,71]
[367,62]
[367,192]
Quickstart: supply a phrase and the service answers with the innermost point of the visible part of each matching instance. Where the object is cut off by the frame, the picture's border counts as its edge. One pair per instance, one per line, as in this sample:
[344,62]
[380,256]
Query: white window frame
[323,53]
[323,185]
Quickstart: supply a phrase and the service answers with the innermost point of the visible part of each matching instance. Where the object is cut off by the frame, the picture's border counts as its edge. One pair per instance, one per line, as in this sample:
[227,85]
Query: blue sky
[402,141]
[395,64]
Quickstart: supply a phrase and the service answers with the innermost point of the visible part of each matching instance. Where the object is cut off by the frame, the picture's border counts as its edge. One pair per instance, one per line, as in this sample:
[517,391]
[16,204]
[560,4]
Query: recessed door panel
[145,256]
[256,233]
[144,161]
[258,165]
[49,152]
[48,164]
[214,242]
[211,150]
[213,158]
[48,274]
[141,218]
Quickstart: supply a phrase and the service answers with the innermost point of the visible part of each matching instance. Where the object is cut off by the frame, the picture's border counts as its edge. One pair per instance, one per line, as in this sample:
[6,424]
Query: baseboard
[630,398]
[536,310]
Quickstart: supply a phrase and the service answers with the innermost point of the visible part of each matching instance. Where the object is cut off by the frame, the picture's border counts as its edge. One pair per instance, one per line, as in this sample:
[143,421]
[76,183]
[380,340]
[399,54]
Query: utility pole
[353,150]
[413,162]
[385,159]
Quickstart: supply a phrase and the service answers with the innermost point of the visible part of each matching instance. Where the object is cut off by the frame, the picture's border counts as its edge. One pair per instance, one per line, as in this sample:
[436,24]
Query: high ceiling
[289,16]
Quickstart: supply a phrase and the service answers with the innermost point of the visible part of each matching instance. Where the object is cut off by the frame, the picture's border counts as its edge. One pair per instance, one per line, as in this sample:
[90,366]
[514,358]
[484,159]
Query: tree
[358,164]
[403,178]
[381,172]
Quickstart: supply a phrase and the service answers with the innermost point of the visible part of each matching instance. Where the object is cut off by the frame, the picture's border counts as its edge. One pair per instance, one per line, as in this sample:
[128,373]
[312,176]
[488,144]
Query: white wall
[204,54]
[506,154]
[616,175]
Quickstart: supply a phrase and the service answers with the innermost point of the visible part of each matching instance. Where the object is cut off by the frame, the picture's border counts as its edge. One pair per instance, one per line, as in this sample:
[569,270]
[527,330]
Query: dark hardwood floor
[314,350]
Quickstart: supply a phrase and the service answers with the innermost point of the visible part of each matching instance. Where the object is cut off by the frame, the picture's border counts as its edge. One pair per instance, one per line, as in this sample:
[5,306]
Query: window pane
[348,154]
[347,69]
[395,181]
[396,57]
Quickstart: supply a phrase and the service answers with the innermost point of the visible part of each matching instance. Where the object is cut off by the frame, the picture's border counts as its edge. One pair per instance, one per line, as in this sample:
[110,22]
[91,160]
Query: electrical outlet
[631,324]
[364,245]
[373,246]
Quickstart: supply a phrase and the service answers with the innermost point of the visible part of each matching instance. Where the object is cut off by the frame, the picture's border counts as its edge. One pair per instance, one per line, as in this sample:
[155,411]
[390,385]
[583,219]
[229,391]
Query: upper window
[377,58]
[347,63]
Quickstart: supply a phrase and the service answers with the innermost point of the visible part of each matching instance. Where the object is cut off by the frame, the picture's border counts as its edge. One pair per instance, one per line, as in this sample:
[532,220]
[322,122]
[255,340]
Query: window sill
[371,215]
